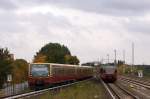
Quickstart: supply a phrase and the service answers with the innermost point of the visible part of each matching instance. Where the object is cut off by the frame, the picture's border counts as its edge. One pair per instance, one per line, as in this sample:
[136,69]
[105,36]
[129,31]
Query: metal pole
[115,56]
[108,57]
[124,56]
[132,56]
[102,61]
[123,61]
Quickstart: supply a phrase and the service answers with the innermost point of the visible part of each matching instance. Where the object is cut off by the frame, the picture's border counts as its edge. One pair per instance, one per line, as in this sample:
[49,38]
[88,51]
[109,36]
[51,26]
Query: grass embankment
[85,90]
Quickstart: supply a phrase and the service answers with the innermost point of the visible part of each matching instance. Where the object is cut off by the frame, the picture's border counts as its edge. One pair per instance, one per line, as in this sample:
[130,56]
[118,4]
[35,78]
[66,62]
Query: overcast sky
[91,29]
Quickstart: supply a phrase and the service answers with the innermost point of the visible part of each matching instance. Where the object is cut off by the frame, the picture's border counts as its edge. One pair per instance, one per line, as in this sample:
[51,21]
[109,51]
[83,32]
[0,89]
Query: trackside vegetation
[92,89]
[8,65]
[5,65]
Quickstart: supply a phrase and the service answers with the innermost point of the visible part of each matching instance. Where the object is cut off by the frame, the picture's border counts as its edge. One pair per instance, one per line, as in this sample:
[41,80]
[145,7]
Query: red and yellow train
[48,74]
[108,72]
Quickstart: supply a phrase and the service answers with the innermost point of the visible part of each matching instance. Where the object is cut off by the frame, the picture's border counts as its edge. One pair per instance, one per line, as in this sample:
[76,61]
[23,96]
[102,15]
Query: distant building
[11,57]
[95,63]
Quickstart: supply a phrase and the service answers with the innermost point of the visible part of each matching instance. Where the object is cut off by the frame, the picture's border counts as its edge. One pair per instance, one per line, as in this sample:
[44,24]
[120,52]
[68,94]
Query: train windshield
[109,68]
[39,70]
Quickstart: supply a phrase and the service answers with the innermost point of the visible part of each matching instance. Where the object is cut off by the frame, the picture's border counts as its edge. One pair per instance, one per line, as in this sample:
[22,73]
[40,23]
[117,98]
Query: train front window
[39,70]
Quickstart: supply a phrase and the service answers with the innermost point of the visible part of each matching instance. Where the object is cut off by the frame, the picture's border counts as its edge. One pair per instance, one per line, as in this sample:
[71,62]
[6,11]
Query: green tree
[20,70]
[55,53]
[39,58]
[5,65]
[71,60]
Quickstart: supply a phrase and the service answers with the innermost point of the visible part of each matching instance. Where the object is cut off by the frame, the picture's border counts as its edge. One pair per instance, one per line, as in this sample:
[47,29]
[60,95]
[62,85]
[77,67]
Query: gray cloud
[111,7]
[7,4]
[89,36]
[27,33]
[10,23]
[138,26]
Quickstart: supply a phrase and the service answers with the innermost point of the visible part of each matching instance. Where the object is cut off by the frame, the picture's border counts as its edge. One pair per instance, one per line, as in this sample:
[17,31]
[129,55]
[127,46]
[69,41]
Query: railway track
[137,78]
[137,82]
[121,93]
[36,93]
[115,91]
[141,88]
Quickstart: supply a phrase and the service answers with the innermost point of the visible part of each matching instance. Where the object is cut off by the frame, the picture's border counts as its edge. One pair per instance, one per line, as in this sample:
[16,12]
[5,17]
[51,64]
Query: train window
[41,70]
[63,70]
[56,70]
[69,70]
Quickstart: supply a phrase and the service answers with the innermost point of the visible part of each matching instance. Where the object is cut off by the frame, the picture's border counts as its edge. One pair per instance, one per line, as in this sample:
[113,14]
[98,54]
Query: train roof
[108,66]
[64,65]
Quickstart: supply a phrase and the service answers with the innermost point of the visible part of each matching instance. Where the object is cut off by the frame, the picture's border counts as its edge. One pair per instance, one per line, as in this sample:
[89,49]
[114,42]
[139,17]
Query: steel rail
[136,79]
[136,82]
[114,94]
[108,90]
[127,92]
[137,88]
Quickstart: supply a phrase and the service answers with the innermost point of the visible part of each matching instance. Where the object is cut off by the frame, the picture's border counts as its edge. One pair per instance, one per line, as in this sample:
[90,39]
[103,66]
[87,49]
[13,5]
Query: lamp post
[108,57]
[115,56]
[124,56]
[132,57]
[124,61]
